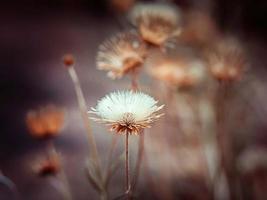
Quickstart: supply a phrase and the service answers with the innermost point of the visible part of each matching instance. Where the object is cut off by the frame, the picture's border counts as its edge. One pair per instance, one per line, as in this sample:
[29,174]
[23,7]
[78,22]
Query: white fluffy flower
[127,111]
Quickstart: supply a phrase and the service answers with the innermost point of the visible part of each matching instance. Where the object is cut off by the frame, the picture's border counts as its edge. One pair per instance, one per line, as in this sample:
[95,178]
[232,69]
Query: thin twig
[83,110]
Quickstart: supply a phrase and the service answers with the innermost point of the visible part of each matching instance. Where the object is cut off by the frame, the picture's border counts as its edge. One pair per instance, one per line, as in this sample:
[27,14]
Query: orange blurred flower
[45,122]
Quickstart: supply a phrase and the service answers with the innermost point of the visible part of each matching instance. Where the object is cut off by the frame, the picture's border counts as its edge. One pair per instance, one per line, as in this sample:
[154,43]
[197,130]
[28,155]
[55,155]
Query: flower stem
[127,169]
[83,110]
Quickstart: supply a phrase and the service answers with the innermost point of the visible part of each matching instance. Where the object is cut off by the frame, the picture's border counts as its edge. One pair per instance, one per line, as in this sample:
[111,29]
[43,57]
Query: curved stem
[9,184]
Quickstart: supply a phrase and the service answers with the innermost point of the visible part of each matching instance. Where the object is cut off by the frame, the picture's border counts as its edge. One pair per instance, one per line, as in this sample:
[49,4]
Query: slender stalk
[127,169]
[225,140]
[209,145]
[134,82]
[83,110]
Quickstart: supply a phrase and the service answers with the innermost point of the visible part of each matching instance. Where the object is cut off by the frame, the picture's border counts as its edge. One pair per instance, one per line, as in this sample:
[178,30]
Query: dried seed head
[127,111]
[121,54]
[45,122]
[226,61]
[156,22]
[68,60]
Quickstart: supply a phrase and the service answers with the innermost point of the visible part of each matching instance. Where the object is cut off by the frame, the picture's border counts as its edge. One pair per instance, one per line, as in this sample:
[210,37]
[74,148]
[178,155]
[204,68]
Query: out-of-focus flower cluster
[46,122]
[182,50]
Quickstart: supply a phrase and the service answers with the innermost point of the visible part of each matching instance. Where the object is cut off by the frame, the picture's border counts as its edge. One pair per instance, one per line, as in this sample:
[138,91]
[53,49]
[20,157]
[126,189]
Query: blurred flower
[226,61]
[156,22]
[121,54]
[127,111]
[176,70]
[49,166]
[252,159]
[121,5]
[45,122]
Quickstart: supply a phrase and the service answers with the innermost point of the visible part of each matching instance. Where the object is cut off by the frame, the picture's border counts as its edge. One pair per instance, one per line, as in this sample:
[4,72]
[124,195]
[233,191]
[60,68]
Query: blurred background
[34,35]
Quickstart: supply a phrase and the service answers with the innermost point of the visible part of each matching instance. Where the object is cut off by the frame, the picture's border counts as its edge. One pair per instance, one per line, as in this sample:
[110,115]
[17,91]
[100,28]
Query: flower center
[128,119]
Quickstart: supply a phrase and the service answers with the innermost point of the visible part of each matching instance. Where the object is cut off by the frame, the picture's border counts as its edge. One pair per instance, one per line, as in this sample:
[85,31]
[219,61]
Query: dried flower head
[45,122]
[68,60]
[121,54]
[127,111]
[176,70]
[226,61]
[49,166]
[156,22]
